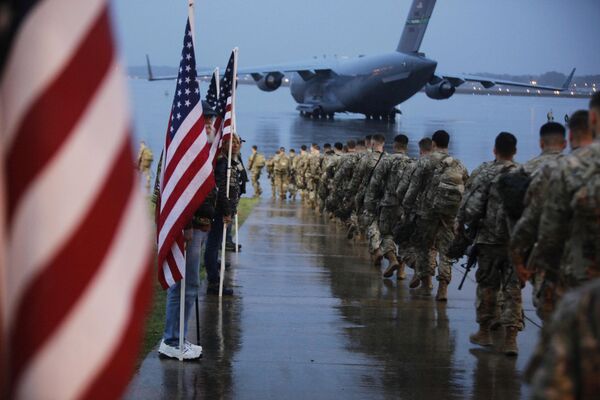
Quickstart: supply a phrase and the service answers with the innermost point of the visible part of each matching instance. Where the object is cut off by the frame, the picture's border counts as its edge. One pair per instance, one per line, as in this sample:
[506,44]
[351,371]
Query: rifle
[472,253]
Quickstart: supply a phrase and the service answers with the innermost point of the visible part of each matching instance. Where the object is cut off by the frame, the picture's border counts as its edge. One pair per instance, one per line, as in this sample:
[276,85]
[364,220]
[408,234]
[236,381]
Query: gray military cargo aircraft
[372,85]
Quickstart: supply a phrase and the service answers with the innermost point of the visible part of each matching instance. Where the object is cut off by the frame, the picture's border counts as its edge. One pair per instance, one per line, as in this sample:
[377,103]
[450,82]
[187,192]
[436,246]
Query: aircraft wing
[306,70]
[487,83]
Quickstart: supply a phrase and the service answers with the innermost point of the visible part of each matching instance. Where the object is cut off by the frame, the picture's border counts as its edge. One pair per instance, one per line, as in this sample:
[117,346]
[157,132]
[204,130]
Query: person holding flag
[186,183]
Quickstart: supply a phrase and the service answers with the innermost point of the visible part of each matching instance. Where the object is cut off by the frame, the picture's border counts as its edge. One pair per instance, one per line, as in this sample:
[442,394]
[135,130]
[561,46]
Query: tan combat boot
[482,337]
[401,275]
[426,286]
[442,292]
[510,341]
[414,282]
[394,264]
[377,257]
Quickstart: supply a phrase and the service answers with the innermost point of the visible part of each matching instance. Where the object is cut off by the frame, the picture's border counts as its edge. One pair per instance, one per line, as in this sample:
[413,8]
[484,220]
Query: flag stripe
[186,170]
[48,113]
[117,369]
[187,188]
[36,318]
[45,207]
[84,342]
[53,30]
[181,143]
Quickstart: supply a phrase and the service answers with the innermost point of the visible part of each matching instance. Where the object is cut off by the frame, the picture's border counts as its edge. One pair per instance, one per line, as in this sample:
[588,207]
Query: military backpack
[447,187]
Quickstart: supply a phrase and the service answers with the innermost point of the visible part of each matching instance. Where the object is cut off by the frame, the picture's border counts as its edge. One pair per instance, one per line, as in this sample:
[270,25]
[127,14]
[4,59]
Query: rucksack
[512,188]
[448,187]
[585,204]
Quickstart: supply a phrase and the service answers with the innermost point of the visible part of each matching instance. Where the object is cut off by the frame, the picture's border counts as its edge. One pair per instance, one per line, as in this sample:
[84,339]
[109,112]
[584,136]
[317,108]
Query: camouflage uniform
[327,164]
[341,181]
[292,187]
[358,185]
[434,232]
[256,163]
[300,168]
[281,167]
[568,247]
[482,210]
[313,172]
[270,164]
[525,232]
[381,198]
[566,363]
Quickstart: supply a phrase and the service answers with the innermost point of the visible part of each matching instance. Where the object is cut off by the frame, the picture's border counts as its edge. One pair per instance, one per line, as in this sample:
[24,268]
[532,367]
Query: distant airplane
[372,85]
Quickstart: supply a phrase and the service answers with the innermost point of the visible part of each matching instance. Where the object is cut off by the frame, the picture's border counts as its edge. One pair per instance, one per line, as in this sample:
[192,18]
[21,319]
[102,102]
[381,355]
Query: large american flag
[223,108]
[77,238]
[187,173]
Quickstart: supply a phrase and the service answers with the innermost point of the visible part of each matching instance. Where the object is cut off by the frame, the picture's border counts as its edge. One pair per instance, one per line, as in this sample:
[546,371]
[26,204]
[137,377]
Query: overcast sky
[498,36]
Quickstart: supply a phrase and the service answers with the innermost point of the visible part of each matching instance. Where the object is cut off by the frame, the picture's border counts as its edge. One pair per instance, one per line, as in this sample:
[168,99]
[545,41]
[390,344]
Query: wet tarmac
[311,319]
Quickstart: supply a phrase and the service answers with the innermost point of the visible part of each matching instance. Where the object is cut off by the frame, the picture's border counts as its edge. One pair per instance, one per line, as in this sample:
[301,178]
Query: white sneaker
[189,352]
[194,346]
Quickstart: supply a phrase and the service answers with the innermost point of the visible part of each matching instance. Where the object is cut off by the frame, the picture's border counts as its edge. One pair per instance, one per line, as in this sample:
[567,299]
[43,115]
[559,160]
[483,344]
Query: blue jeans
[192,284]
[211,255]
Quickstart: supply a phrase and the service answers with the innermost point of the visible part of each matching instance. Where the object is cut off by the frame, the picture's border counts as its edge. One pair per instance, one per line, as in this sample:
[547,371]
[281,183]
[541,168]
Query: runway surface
[311,319]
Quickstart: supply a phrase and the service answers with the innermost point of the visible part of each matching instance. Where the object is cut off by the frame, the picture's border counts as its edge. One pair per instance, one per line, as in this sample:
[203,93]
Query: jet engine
[440,90]
[268,82]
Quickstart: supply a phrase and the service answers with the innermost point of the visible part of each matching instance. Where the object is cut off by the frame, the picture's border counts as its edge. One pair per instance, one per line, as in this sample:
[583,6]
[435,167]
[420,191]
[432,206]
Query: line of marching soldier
[538,221]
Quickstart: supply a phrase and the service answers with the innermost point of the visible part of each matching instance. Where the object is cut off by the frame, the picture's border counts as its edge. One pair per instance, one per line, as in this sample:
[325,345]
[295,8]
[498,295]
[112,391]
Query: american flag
[211,94]
[223,108]
[187,173]
[77,242]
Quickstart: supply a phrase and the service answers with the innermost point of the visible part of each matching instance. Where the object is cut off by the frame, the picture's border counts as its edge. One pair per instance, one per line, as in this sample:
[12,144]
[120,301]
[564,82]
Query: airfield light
[539,91]
[534,82]
[527,90]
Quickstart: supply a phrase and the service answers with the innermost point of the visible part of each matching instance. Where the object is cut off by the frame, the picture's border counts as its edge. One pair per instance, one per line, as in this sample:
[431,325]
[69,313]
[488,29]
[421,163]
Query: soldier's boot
[426,286]
[377,256]
[393,266]
[510,341]
[482,336]
[442,292]
[414,282]
[401,275]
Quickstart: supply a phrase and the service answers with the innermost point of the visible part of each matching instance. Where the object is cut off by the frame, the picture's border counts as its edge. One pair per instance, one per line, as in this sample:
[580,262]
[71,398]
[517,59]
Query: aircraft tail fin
[416,25]
[567,83]
[149,67]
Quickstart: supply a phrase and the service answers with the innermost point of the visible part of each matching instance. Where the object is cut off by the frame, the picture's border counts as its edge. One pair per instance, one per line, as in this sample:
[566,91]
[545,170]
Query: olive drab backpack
[447,187]
[259,161]
[283,163]
[585,204]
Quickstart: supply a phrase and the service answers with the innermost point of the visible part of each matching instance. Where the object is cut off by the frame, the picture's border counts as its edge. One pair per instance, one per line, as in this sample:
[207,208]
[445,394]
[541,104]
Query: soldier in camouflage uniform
[328,168]
[358,184]
[281,168]
[270,165]
[525,232]
[438,180]
[292,188]
[407,251]
[381,200]
[566,364]
[321,189]
[341,181]
[256,163]
[568,248]
[483,212]
[301,162]
[313,172]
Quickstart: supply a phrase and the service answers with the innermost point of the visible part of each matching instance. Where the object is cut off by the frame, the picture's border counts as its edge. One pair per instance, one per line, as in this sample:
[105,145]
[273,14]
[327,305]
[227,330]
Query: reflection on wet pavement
[312,319]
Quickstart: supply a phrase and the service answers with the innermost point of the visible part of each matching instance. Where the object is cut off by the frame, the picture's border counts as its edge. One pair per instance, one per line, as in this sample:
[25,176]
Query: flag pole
[233,90]
[237,236]
[217,81]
